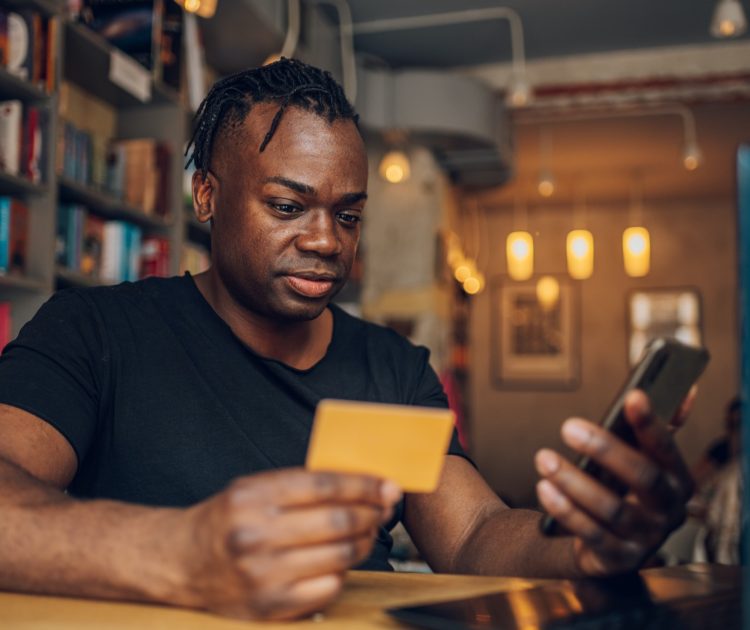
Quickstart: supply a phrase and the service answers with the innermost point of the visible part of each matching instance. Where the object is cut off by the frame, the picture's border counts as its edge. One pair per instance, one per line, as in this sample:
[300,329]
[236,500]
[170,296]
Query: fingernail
[550,495]
[547,462]
[575,433]
[390,492]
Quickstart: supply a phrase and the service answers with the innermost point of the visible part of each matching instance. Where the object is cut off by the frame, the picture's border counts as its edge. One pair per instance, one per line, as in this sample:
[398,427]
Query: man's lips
[311,285]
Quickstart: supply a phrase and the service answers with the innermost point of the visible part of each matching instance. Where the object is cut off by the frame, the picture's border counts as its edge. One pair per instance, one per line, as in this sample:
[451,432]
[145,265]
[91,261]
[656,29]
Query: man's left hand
[616,534]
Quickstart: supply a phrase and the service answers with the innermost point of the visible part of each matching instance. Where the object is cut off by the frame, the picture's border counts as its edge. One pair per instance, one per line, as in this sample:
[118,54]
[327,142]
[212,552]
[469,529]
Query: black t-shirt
[164,405]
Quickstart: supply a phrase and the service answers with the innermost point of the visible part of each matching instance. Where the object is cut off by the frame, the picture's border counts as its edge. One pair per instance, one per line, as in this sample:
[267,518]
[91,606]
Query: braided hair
[287,82]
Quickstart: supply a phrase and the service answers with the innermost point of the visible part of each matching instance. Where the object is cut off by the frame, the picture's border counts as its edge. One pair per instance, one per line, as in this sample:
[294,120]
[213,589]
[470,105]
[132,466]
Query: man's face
[287,221]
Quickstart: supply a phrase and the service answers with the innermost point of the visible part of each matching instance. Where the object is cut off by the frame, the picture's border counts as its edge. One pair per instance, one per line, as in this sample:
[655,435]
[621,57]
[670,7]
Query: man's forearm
[509,542]
[51,543]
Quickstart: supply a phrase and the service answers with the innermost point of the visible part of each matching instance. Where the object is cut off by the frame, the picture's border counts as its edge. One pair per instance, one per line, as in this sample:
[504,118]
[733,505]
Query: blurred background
[551,183]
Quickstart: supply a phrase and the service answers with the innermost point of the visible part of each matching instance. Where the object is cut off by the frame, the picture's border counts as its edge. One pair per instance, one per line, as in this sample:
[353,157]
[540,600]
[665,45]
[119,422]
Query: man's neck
[299,344]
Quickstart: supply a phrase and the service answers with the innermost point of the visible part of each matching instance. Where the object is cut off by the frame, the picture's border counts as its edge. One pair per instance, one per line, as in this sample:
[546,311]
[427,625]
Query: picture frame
[535,346]
[663,312]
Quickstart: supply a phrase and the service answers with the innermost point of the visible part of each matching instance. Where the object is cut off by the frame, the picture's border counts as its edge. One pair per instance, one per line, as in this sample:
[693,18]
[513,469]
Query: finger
[301,527]
[584,493]
[297,487]
[680,418]
[302,598]
[305,562]
[642,475]
[656,440]
[574,520]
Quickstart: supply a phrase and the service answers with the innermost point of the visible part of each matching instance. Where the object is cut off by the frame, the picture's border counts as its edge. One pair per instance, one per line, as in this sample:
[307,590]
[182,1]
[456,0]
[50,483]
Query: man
[179,407]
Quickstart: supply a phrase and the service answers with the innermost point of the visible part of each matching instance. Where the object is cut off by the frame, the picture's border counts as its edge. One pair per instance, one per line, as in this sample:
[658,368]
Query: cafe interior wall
[693,232]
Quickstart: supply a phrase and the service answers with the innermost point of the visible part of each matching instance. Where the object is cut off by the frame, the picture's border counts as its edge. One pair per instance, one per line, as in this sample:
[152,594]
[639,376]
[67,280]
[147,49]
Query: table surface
[365,596]
[361,606]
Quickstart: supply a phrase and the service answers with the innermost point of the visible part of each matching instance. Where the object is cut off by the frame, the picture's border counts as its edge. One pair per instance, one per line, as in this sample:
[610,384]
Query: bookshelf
[82,63]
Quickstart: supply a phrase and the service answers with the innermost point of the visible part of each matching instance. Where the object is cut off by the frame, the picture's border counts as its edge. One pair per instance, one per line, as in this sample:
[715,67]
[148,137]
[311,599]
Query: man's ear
[204,191]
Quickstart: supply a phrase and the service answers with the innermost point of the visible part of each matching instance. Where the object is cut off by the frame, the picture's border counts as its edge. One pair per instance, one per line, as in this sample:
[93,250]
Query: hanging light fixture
[395,167]
[692,157]
[729,19]
[636,241]
[202,8]
[580,251]
[519,251]
[546,184]
[636,251]
[547,292]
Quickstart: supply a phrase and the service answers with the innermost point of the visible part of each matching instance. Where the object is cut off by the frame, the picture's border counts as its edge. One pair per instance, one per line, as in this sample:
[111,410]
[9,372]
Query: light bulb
[471,285]
[519,252]
[394,167]
[546,185]
[547,292]
[692,157]
[580,254]
[636,251]
[465,270]
[202,8]
[729,19]
[519,94]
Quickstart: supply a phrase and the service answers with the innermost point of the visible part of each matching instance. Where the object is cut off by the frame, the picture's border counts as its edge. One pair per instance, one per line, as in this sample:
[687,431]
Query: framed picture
[535,334]
[674,312]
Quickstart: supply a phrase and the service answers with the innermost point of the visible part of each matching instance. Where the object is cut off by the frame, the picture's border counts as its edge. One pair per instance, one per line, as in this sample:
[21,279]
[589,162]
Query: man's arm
[463,527]
[273,545]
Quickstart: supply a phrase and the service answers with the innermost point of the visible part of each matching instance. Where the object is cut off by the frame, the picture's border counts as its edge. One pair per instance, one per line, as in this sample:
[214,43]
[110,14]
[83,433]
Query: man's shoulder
[125,291]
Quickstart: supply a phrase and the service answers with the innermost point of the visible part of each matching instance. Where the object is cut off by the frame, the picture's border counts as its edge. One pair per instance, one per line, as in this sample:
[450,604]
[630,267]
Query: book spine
[4,234]
[10,136]
[5,324]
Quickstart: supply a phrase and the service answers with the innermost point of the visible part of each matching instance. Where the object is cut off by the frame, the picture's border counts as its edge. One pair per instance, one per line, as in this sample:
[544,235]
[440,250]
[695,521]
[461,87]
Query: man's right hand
[276,545]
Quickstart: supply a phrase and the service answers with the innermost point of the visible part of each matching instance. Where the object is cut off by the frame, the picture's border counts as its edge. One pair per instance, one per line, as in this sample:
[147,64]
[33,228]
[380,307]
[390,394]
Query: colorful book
[10,136]
[5,324]
[5,203]
[19,236]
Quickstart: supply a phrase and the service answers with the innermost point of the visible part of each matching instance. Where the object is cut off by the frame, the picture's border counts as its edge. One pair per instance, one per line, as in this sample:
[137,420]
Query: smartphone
[666,372]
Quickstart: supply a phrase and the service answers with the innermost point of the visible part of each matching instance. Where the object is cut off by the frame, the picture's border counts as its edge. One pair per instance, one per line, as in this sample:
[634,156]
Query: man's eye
[286,208]
[349,218]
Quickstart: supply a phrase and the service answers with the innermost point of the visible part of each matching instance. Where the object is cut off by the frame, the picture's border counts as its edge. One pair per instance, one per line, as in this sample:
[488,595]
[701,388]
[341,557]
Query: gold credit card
[403,443]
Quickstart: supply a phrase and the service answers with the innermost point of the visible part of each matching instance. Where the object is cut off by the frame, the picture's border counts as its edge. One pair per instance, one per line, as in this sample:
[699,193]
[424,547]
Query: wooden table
[709,595]
[361,605]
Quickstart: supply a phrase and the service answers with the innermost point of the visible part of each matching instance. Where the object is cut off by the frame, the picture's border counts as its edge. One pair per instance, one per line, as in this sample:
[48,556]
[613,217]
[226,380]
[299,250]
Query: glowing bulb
[455,257]
[464,271]
[519,94]
[692,157]
[580,251]
[546,185]
[394,167]
[471,285]
[203,8]
[729,19]
[547,292]
[636,251]
[519,252]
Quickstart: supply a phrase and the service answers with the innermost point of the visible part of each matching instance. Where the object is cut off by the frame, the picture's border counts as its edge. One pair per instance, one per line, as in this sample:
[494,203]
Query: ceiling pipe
[346,42]
[518,56]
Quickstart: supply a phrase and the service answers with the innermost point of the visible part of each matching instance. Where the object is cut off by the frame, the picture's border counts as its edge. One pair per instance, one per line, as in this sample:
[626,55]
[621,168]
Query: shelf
[106,205]
[69,278]
[20,283]
[87,65]
[48,7]
[15,185]
[12,87]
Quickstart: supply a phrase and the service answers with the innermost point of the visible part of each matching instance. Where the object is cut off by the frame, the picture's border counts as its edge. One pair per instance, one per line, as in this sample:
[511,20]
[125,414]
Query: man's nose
[320,234]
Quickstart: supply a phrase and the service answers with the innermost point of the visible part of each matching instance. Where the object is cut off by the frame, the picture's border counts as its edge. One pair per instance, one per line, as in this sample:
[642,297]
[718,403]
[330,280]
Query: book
[10,136]
[31,144]
[5,324]
[4,235]
[154,257]
[3,38]
[113,255]
[20,44]
[18,237]
[91,248]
